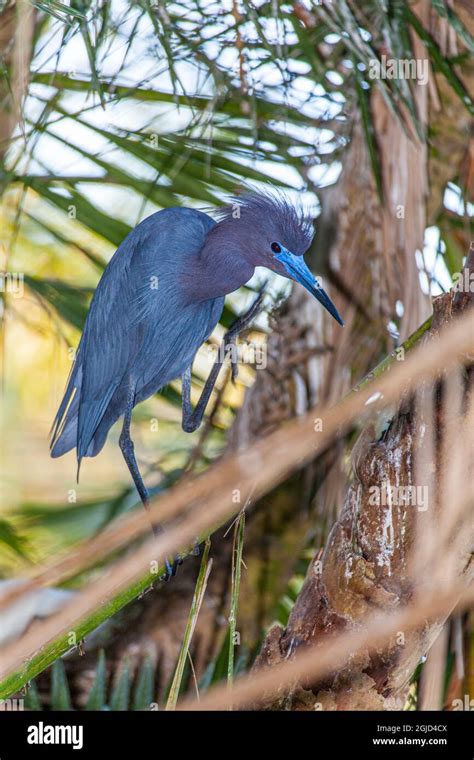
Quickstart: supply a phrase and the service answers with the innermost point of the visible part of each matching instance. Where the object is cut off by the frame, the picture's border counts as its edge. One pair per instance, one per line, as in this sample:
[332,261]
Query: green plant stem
[234,601]
[396,355]
[199,591]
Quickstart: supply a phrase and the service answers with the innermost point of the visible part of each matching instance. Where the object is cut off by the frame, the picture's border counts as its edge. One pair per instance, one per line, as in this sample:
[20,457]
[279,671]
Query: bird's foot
[171,568]
[232,353]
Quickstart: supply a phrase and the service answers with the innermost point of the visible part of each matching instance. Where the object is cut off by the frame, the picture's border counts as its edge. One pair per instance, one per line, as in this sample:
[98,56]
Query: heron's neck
[217,271]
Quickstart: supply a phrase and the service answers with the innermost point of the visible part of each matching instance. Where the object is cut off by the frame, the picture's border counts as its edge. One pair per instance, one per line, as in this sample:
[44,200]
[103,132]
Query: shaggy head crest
[267,217]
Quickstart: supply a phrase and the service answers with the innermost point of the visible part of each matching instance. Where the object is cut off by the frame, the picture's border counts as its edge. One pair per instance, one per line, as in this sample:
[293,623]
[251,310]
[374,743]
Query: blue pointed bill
[298,270]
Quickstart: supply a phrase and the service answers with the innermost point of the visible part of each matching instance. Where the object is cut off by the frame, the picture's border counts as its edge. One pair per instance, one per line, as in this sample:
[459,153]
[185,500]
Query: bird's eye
[276,248]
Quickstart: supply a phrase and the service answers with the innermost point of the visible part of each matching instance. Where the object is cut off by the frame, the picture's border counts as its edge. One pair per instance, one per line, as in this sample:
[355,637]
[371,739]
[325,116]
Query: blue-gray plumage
[159,299]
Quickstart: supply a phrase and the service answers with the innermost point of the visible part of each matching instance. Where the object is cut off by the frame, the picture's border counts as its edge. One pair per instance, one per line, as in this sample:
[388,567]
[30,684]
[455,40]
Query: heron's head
[271,232]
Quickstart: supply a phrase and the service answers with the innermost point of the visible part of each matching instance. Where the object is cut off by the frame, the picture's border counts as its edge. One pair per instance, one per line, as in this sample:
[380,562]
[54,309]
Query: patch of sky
[454,201]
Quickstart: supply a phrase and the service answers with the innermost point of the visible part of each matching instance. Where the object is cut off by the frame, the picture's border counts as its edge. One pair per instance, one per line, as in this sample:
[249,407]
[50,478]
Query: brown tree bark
[367,562]
[17,23]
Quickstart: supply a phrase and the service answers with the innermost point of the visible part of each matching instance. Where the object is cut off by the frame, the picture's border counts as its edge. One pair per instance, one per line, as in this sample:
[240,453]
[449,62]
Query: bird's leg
[128,450]
[193,418]
[239,326]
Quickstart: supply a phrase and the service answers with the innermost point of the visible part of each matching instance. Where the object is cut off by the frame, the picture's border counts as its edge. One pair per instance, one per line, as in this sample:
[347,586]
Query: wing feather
[132,322]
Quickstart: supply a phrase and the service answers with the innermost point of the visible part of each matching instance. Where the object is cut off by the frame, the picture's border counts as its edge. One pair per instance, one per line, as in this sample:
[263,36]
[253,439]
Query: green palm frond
[60,11]
[96,699]
[13,539]
[60,694]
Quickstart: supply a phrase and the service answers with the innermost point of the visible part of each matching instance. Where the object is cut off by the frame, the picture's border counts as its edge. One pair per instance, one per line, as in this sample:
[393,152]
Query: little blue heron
[157,302]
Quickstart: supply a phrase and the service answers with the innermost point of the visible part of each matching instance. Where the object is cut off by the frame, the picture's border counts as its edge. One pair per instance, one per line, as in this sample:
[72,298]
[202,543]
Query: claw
[168,574]
[171,569]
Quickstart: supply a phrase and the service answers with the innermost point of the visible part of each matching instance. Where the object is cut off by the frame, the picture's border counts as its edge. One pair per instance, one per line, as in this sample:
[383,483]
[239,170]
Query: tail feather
[83,423]
[67,435]
[64,428]
[89,418]
[73,382]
